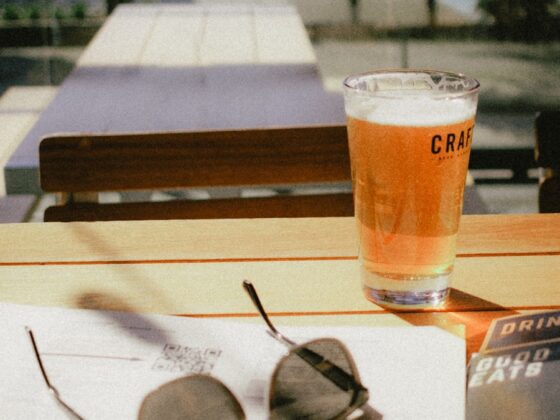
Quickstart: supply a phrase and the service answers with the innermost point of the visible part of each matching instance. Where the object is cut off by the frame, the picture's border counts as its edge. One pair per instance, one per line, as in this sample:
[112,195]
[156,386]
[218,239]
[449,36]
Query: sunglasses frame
[360,393]
[53,391]
[326,368]
[323,366]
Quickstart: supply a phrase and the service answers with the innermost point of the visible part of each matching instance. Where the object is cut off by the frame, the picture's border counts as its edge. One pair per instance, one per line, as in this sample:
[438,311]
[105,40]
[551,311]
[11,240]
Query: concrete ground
[516,80]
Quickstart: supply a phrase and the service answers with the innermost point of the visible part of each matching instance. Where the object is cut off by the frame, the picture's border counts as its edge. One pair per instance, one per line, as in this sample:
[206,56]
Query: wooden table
[169,67]
[305,270]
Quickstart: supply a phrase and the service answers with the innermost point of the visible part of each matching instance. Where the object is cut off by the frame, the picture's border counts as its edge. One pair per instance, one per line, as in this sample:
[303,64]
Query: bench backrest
[77,164]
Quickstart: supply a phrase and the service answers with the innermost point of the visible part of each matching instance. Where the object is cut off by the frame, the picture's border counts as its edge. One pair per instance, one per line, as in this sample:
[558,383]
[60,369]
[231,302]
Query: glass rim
[349,87]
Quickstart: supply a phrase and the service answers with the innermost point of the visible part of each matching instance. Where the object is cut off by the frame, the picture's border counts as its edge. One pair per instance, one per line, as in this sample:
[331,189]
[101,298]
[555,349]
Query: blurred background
[511,46]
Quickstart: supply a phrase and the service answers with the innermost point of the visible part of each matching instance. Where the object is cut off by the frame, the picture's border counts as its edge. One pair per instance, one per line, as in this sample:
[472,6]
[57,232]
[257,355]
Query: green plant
[60,13]
[34,12]
[79,10]
[12,12]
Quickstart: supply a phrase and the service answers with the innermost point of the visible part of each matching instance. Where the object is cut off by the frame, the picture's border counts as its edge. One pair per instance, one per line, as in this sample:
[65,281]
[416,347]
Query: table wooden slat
[121,40]
[175,40]
[306,270]
[228,38]
[537,234]
[514,234]
[316,257]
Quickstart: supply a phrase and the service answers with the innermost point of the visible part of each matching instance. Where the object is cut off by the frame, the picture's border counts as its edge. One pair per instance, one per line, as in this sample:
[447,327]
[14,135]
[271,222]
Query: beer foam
[412,112]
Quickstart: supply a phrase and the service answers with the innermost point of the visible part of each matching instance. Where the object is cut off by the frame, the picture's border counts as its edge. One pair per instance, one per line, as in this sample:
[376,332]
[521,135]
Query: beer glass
[410,134]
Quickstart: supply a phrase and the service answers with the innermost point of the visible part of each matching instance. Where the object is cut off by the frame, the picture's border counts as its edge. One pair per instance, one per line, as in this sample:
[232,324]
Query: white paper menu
[103,363]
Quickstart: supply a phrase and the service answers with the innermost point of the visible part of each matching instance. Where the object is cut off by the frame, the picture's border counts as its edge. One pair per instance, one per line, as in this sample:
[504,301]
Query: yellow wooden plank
[27,98]
[203,239]
[229,37]
[172,35]
[176,38]
[286,287]
[514,281]
[14,127]
[180,239]
[512,233]
[304,269]
[187,288]
[121,40]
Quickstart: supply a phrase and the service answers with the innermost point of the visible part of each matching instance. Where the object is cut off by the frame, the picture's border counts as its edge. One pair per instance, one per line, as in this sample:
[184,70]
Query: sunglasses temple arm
[325,367]
[250,289]
[54,392]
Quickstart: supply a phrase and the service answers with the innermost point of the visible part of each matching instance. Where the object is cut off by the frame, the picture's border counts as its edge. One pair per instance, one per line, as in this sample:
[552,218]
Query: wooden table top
[170,67]
[306,270]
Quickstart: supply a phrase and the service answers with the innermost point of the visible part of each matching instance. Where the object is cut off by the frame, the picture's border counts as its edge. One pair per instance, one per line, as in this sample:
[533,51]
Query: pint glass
[410,134]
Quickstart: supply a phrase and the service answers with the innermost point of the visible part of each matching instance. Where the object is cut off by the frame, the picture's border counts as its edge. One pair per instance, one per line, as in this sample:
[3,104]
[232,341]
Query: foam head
[411,98]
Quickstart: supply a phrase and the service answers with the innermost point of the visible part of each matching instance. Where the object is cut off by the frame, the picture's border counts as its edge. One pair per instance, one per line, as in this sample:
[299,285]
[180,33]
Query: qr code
[184,359]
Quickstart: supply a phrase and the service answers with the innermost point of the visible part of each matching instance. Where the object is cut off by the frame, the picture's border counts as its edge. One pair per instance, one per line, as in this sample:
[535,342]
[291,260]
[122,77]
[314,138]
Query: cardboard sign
[517,372]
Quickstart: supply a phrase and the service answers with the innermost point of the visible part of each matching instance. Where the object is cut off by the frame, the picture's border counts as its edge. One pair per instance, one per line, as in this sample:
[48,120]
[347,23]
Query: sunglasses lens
[196,397]
[314,381]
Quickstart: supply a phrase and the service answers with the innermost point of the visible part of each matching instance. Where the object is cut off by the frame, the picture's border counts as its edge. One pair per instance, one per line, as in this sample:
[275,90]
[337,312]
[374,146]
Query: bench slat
[321,205]
[194,159]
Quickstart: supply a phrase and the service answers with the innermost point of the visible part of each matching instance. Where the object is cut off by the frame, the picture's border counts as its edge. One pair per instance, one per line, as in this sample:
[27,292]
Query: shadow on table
[116,311]
[461,308]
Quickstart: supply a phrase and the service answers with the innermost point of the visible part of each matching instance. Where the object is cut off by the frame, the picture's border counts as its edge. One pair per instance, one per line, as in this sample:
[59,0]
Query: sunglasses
[315,380]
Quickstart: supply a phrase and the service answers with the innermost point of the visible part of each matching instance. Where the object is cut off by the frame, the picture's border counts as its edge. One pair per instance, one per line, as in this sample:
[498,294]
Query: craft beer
[409,153]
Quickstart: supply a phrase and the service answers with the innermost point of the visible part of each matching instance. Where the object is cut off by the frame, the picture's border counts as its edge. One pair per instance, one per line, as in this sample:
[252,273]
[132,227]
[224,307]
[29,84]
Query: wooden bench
[20,107]
[503,166]
[282,157]
[521,164]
